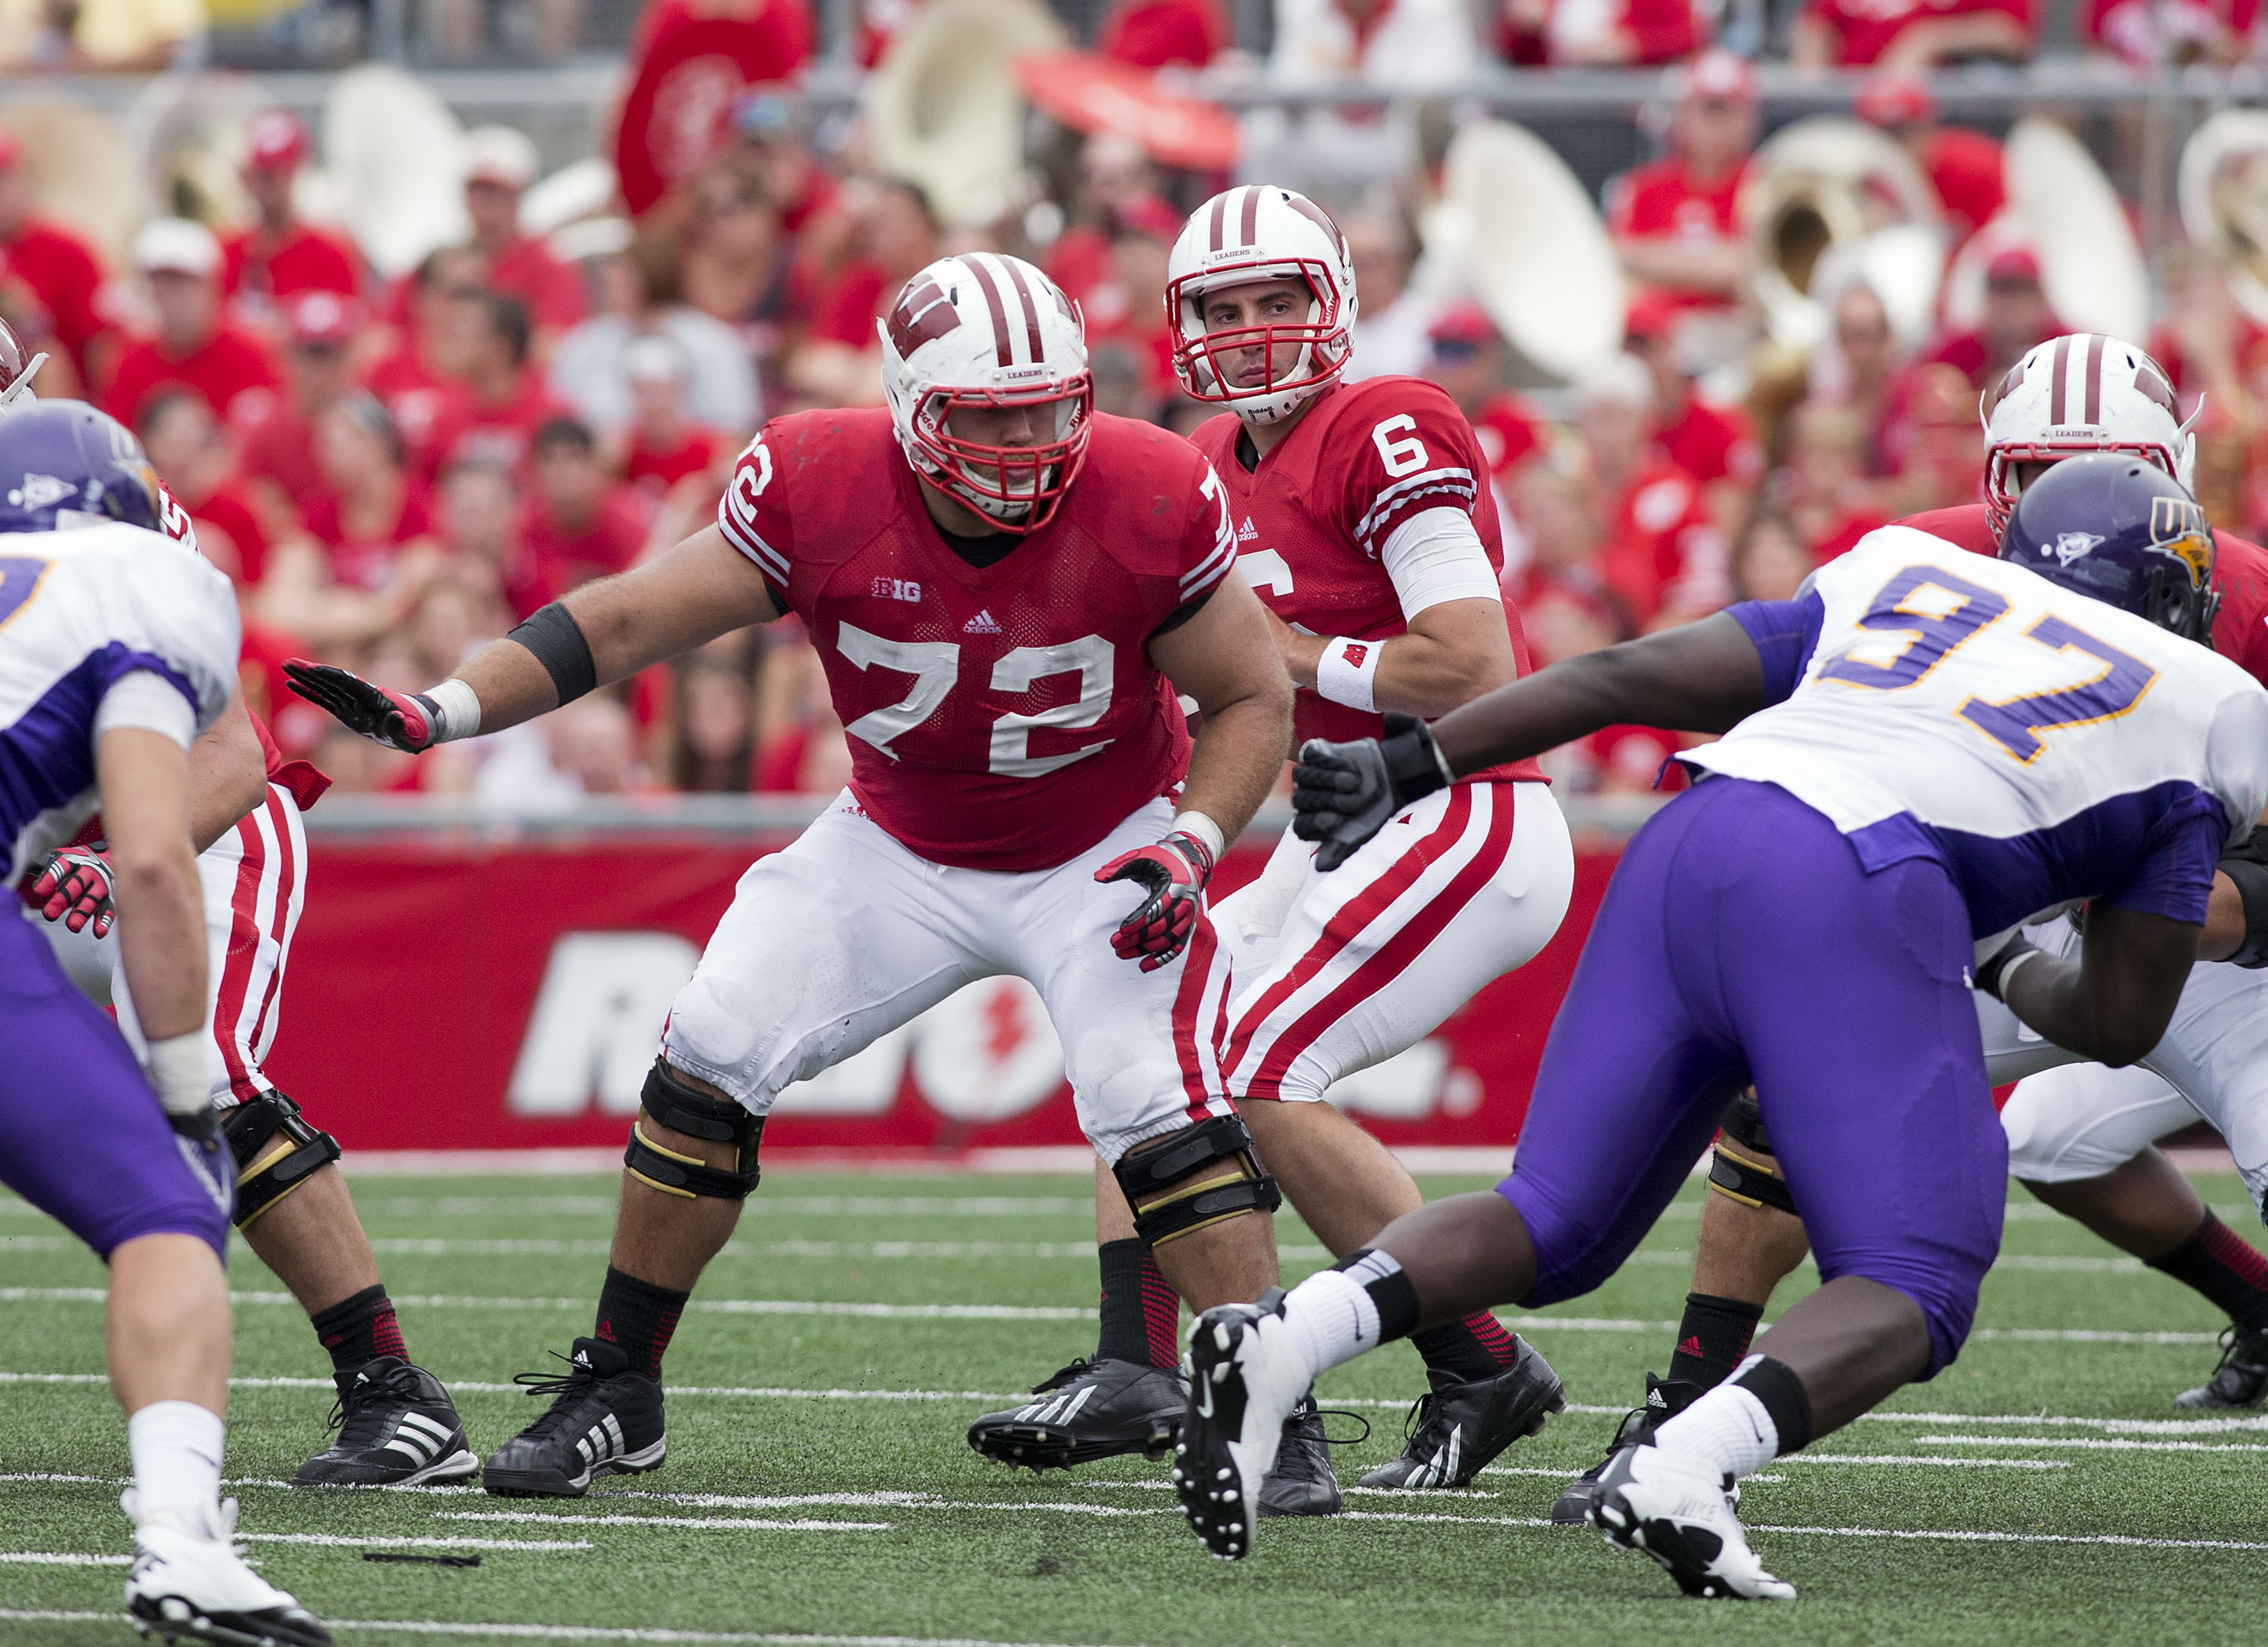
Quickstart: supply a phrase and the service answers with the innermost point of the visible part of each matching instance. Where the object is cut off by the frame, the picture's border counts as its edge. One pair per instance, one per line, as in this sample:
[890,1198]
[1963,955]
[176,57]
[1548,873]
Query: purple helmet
[2122,531]
[63,463]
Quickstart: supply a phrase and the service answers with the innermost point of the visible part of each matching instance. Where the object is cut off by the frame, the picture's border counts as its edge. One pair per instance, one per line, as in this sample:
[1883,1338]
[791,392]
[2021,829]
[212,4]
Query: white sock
[176,1446]
[1728,1427]
[1331,1318]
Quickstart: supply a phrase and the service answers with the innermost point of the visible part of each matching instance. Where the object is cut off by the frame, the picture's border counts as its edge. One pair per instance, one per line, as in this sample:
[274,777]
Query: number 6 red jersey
[1003,717]
[1313,515]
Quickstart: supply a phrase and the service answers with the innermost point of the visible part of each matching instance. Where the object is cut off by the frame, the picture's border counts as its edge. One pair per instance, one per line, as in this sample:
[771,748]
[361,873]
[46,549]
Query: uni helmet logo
[41,491]
[2177,528]
[2070,546]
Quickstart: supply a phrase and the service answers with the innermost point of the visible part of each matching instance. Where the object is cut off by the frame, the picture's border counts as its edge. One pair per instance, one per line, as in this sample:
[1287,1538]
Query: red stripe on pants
[1188,1002]
[237,959]
[287,879]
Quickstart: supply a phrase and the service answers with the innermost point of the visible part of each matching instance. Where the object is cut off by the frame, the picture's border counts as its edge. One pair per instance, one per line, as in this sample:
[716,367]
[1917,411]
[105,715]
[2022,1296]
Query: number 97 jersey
[2042,746]
[1003,716]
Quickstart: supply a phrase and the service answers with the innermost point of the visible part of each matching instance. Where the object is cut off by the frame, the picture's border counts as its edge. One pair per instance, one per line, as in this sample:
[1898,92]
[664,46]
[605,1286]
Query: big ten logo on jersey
[984,1053]
[897,589]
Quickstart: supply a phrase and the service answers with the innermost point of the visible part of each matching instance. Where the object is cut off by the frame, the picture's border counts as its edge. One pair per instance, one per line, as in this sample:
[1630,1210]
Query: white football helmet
[17,369]
[985,332]
[1259,232]
[2080,392]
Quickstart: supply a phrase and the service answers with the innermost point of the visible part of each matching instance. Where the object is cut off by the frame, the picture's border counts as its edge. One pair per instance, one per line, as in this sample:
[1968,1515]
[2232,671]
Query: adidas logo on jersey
[1246,533]
[982,624]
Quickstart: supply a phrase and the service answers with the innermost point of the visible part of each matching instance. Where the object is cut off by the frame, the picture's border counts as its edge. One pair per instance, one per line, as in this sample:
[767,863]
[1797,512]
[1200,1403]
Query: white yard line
[736,1524]
[2102,1444]
[570,1632]
[387,1541]
[59,1558]
[1908,1457]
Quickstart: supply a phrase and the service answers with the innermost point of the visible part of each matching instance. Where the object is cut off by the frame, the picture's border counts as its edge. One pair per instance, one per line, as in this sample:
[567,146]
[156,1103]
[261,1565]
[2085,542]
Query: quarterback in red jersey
[1009,592]
[2081,1137]
[1366,522]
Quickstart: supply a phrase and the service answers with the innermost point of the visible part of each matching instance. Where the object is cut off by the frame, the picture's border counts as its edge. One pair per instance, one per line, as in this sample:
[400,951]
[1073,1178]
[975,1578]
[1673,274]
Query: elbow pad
[2247,867]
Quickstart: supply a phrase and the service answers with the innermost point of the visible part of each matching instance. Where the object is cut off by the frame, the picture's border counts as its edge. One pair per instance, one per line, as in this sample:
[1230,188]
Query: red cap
[2017,265]
[278,141]
[323,318]
[1652,318]
[1466,323]
[1147,215]
[1895,99]
[1719,73]
[10,150]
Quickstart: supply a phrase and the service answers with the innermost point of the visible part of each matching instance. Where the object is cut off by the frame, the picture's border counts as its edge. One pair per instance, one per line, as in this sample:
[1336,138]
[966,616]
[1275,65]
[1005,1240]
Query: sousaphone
[394,158]
[2064,209]
[81,167]
[943,109]
[2224,196]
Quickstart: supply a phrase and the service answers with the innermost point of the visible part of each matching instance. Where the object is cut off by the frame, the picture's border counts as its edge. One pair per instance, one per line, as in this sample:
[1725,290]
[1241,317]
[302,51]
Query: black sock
[359,1330]
[2225,1267]
[1390,1289]
[639,1316]
[1788,1404]
[1141,1311]
[1477,1346]
[1712,1338]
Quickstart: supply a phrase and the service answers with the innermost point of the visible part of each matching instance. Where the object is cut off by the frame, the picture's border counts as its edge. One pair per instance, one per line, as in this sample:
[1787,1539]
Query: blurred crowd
[396,470]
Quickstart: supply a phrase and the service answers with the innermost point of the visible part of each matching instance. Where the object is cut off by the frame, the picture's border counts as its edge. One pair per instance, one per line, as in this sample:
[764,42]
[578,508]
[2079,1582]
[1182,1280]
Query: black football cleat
[1301,1484]
[604,1420]
[1676,1509]
[397,1428]
[2242,1379]
[1665,1398]
[1455,1431]
[1089,1410]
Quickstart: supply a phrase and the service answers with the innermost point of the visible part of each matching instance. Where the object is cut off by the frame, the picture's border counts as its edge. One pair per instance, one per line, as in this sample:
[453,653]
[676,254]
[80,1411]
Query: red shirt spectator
[228,365]
[499,165]
[1663,198]
[659,467]
[1631,31]
[1713,443]
[1151,33]
[1966,167]
[422,403]
[363,555]
[1509,431]
[1663,552]
[2155,36]
[577,525]
[1467,360]
[228,510]
[468,431]
[48,272]
[779,33]
[1858,33]
[282,265]
[1675,222]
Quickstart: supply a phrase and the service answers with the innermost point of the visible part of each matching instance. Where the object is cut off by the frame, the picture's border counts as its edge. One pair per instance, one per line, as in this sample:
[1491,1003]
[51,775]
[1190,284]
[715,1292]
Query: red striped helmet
[1259,232]
[981,333]
[17,368]
[2077,393]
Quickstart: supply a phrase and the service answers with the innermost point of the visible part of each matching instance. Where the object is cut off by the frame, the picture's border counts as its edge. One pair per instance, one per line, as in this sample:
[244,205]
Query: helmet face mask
[2119,529]
[984,367]
[1249,236]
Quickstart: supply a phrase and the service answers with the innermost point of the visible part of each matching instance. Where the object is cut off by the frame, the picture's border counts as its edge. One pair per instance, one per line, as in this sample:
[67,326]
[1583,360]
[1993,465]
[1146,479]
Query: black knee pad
[1742,1168]
[276,1151]
[1193,1178]
[676,1103]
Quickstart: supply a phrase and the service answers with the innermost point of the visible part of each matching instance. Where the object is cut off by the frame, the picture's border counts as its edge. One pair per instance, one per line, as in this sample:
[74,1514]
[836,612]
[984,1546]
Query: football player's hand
[74,888]
[1342,794]
[401,720]
[1993,973]
[1176,870]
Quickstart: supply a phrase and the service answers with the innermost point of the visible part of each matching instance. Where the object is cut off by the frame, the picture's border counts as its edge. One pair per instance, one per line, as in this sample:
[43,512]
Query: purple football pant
[1741,940]
[82,1136]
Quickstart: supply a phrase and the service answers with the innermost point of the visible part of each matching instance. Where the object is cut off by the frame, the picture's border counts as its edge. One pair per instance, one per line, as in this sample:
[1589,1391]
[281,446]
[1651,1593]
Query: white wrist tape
[180,1069]
[460,707]
[1200,827]
[1348,671]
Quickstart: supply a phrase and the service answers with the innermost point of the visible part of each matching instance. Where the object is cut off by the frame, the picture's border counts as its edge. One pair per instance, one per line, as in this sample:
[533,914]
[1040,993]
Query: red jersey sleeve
[753,516]
[1408,449]
[1208,544]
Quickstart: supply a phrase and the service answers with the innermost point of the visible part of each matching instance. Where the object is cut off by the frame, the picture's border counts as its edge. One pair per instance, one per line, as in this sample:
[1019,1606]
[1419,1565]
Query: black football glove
[1342,794]
[407,721]
[1175,869]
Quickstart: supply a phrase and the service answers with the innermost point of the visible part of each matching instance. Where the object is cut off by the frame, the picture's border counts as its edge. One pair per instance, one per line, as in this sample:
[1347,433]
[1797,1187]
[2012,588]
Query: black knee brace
[676,1103]
[1743,1168]
[276,1151]
[1195,1178]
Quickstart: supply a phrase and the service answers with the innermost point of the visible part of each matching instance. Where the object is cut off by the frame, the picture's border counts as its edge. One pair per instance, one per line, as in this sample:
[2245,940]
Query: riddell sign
[537,980]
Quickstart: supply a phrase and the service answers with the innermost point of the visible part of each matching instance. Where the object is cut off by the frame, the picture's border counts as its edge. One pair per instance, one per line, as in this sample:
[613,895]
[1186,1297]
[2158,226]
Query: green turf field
[818,1488]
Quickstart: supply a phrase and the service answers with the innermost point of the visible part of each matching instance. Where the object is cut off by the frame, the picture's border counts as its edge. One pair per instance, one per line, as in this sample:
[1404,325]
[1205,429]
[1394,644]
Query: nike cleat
[1089,1410]
[397,1428]
[1665,1398]
[1673,1507]
[2242,1379]
[1301,1484]
[188,1583]
[604,1420]
[1245,1381]
[1457,1431]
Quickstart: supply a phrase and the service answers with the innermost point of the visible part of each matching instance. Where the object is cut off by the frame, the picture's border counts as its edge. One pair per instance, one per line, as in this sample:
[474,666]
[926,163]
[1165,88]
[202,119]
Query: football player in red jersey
[2081,1136]
[397,1425]
[1365,520]
[1007,591]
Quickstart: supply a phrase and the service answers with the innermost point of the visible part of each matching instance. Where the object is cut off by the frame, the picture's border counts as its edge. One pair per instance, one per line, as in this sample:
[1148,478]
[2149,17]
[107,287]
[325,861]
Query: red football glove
[74,888]
[1176,870]
[401,720]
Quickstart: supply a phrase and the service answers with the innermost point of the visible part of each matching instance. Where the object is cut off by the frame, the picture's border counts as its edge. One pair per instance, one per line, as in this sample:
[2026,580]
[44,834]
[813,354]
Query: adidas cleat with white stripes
[397,1428]
[1244,1383]
[604,1420]
[1457,1431]
[1089,1410]
[1675,1508]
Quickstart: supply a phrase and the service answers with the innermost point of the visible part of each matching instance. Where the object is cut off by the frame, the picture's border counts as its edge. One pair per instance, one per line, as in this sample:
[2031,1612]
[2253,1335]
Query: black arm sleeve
[2247,867]
[559,645]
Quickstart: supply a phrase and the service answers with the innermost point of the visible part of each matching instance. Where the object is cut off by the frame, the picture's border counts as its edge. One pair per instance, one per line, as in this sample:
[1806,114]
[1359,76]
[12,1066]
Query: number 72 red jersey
[1003,717]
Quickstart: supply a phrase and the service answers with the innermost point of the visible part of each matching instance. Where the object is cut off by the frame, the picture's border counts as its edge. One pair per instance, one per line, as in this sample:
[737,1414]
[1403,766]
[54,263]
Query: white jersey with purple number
[104,626]
[2045,747]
